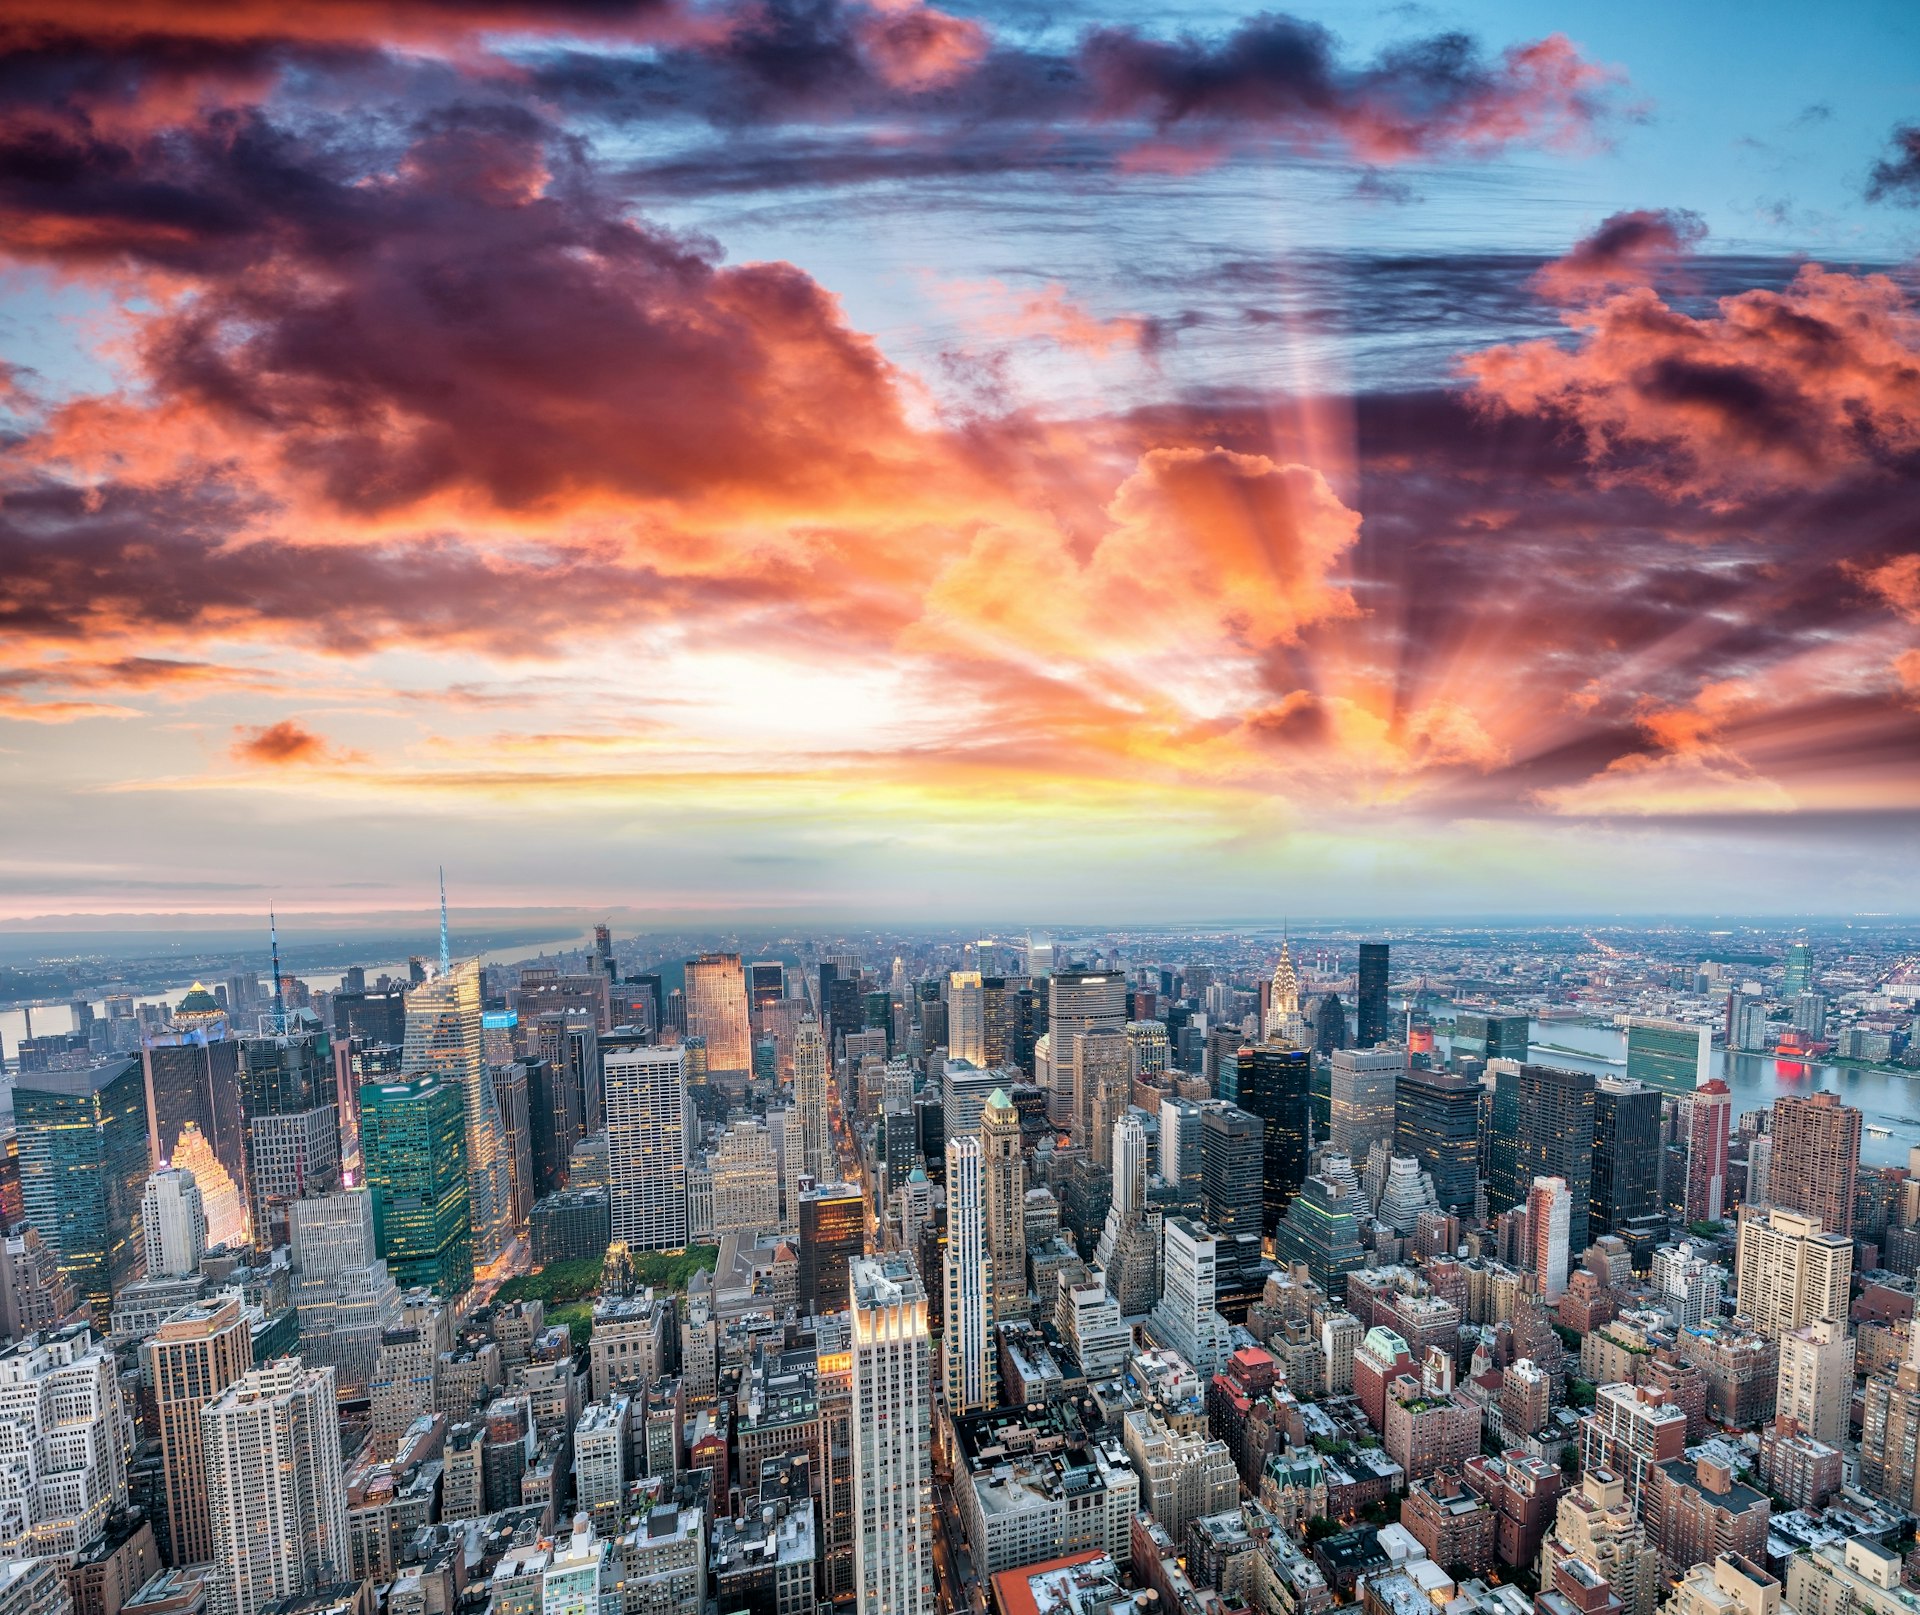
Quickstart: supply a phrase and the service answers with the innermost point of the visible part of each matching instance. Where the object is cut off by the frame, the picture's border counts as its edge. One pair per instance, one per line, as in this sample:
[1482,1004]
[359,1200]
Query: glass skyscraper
[1437,1122]
[1274,1085]
[1371,1019]
[1626,1154]
[413,1141]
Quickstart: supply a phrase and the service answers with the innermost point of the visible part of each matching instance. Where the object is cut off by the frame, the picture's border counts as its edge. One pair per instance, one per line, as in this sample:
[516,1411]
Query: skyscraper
[291,1097]
[1004,1171]
[1274,1084]
[1232,1162]
[413,1139]
[893,1429]
[1372,1019]
[193,1079]
[717,1011]
[810,1103]
[1079,1001]
[1626,1154]
[1709,1119]
[173,1221]
[647,1146]
[967,1319]
[83,1171]
[1556,1139]
[1890,1433]
[1790,1271]
[966,1017]
[194,1356]
[1799,971]
[832,1220]
[1437,1122]
[1363,1088]
[444,1041]
[1816,1158]
[1816,1379]
[1671,1057]
[1102,1082]
[1549,1217]
[275,1492]
[1481,1036]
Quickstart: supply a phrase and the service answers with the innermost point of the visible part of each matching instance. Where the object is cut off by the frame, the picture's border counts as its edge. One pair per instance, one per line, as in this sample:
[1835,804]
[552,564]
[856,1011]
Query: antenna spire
[446,953]
[279,996]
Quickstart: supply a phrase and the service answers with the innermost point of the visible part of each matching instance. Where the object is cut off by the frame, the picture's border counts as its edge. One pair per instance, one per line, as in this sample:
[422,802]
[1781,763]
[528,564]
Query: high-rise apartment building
[647,1146]
[1275,1085]
[1671,1057]
[1364,1084]
[413,1140]
[717,1011]
[1790,1271]
[1372,1022]
[967,1337]
[83,1171]
[1709,1122]
[1549,1216]
[1626,1154]
[892,1439]
[1816,1158]
[1186,1318]
[194,1356]
[1004,1180]
[1816,1379]
[444,1040]
[67,1434]
[1437,1122]
[173,1222]
[275,1491]
[1890,1433]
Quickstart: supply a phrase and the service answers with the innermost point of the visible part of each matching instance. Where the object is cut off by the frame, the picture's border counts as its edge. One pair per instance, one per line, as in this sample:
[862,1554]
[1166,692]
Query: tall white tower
[173,1219]
[967,1338]
[966,1017]
[810,1100]
[893,1438]
[443,1037]
[646,1110]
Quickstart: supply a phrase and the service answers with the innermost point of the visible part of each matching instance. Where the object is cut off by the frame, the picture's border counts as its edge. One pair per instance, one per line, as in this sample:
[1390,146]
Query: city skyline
[881,458]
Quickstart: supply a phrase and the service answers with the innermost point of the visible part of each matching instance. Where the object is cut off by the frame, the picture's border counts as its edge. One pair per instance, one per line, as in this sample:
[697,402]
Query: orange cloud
[278,744]
[914,46]
[1897,582]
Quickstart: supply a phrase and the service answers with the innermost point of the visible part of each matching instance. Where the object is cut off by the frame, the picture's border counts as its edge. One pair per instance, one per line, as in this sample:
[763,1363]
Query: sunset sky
[1069,462]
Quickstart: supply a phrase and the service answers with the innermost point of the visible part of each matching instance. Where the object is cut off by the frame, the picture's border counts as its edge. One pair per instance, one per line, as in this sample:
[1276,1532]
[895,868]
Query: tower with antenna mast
[446,953]
[277,1017]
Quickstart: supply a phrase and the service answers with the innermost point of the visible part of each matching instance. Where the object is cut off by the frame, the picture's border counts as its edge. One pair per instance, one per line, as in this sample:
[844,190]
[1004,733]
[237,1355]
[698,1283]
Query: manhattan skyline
[1114,464]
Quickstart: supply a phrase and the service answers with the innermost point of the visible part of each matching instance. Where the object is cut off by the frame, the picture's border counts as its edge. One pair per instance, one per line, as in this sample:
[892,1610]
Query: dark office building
[510,1094]
[1372,1020]
[766,984]
[1329,1024]
[1491,1037]
[648,989]
[1009,1007]
[1555,1139]
[833,1229]
[291,1095]
[83,1169]
[573,1048]
[1626,1154]
[1232,1170]
[377,1017]
[572,1226]
[1275,1085]
[846,1011]
[930,1119]
[1504,1188]
[1223,1063]
[1436,1120]
[549,1127]
[195,1077]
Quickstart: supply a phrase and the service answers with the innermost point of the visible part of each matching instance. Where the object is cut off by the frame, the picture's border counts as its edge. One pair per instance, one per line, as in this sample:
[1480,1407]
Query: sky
[864,457]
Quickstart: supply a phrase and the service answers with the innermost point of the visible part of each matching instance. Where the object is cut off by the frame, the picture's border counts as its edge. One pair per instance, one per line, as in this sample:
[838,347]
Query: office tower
[1890,1433]
[83,1171]
[512,1099]
[1671,1057]
[1626,1154]
[1708,1113]
[1321,1232]
[892,1431]
[1004,1171]
[1816,1379]
[571,1048]
[967,1340]
[345,1294]
[173,1221]
[194,1356]
[746,1180]
[1437,1122]
[1283,998]
[413,1138]
[1362,1095]
[67,1433]
[966,1017]
[1478,1036]
[1232,1155]
[1549,1219]
[1102,1082]
[275,1491]
[1329,1022]
[193,1080]
[1555,1138]
[1799,971]
[647,1146]
[1179,1160]
[377,1018]
[766,985]
[1816,1158]
[832,1219]
[1128,1157]
[810,1101]
[1372,1022]
[1148,1049]
[1274,1085]
[717,1011]
[444,1041]
[1012,1006]
[291,1097]
[1790,1271]
[1078,1001]
[1185,1317]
